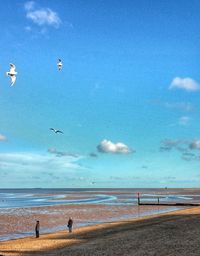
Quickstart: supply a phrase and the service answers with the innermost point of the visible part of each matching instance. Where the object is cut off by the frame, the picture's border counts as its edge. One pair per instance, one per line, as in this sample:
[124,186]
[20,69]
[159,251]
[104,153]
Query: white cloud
[42,16]
[187,84]
[184,120]
[2,137]
[195,144]
[29,5]
[107,146]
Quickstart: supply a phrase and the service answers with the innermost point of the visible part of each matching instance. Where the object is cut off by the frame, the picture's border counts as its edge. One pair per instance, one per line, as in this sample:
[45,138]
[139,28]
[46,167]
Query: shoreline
[62,242]
[20,222]
[155,210]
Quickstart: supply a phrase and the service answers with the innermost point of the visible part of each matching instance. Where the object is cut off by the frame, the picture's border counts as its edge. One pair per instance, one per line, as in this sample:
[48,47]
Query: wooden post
[138,194]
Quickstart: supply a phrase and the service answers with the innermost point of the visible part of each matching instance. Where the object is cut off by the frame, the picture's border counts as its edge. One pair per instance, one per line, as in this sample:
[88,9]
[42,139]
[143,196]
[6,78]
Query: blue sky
[127,97]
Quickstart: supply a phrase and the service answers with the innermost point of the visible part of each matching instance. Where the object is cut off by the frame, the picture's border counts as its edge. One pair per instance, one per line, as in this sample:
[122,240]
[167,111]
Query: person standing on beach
[69,225]
[37,229]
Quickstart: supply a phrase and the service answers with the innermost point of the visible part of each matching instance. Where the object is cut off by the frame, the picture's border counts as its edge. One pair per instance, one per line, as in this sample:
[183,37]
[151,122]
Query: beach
[99,134]
[174,233]
[19,209]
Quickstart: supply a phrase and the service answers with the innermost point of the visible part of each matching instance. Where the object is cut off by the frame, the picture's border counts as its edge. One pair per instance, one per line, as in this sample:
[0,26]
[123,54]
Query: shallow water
[18,200]
[45,197]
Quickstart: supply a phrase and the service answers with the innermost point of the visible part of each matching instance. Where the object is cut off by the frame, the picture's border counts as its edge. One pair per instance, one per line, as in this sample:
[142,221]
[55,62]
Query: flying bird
[12,73]
[56,131]
[59,64]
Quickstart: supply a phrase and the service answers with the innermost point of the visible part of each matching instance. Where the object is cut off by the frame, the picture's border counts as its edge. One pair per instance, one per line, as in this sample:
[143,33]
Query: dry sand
[176,233]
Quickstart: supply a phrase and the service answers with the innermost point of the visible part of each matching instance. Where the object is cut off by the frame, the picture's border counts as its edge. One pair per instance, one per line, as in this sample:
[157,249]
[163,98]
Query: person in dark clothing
[70,223]
[37,229]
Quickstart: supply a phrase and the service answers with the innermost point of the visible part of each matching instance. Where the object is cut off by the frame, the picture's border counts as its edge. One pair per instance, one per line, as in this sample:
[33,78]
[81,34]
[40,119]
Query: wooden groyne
[158,203]
[170,204]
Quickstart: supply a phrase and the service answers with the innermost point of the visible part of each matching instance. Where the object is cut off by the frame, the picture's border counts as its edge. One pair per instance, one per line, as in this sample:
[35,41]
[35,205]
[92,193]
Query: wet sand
[167,234]
[20,222]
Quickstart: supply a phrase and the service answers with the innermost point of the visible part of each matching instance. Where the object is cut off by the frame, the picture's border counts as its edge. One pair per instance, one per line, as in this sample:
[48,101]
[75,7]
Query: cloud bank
[188,148]
[107,146]
[39,170]
[37,162]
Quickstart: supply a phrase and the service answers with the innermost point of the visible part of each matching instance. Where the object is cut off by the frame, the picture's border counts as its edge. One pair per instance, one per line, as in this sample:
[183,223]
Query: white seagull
[59,64]
[56,131]
[12,73]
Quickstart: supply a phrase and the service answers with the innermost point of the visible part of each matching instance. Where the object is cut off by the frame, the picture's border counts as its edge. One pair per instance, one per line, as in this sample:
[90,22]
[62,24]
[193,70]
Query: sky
[127,98]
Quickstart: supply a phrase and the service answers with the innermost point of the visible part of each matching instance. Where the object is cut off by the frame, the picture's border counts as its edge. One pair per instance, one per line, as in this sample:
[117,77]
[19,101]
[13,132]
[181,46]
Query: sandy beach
[175,233]
[20,209]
